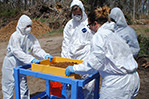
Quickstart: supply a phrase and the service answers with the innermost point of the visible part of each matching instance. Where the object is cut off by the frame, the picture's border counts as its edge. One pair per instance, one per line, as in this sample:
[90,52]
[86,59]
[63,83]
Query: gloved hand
[49,56]
[69,70]
[35,61]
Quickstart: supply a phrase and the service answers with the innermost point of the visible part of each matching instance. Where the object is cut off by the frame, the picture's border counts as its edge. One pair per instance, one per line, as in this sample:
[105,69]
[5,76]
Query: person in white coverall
[21,44]
[125,31]
[111,57]
[76,34]
[77,37]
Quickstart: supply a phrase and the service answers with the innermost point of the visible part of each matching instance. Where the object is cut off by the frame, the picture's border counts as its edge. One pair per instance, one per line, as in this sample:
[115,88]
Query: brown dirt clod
[63,64]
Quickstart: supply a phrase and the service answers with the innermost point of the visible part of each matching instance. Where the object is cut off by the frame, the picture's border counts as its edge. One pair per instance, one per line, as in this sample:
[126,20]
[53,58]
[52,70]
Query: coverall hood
[79,4]
[125,31]
[118,17]
[22,23]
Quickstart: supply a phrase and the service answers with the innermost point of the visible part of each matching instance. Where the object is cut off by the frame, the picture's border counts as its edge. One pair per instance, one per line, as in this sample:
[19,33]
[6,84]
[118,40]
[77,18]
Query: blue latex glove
[35,61]
[69,70]
[49,56]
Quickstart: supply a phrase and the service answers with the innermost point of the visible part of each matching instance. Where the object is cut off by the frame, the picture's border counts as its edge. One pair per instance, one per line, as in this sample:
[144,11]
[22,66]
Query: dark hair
[74,8]
[113,20]
[101,15]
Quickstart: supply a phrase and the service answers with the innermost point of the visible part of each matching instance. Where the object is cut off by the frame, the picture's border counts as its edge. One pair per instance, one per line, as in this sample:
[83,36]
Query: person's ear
[95,22]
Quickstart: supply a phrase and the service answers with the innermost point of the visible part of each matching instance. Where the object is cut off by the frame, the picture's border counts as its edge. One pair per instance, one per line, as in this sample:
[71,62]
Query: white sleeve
[133,42]
[130,36]
[95,60]
[65,43]
[38,51]
[18,52]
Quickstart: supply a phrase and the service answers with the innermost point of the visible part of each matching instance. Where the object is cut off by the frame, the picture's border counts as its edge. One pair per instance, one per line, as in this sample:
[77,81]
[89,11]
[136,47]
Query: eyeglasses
[89,25]
[28,26]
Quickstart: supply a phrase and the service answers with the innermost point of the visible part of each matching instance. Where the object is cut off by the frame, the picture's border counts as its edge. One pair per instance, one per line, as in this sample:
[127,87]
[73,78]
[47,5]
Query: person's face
[77,11]
[93,26]
[27,29]
[28,26]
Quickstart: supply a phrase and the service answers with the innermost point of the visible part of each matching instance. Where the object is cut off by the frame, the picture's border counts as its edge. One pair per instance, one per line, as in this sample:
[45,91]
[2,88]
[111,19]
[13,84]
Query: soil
[52,45]
[37,29]
[63,64]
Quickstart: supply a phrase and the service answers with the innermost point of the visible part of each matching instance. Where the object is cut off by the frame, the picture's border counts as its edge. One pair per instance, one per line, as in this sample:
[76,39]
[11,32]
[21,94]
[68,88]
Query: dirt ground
[52,45]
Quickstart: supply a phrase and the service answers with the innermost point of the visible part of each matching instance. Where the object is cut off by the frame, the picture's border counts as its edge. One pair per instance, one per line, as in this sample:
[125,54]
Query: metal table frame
[75,83]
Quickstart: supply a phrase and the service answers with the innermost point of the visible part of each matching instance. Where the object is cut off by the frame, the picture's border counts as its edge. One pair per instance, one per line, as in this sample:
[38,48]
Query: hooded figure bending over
[21,44]
[125,31]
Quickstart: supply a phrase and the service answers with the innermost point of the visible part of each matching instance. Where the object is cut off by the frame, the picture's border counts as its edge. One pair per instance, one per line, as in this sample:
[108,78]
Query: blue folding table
[75,83]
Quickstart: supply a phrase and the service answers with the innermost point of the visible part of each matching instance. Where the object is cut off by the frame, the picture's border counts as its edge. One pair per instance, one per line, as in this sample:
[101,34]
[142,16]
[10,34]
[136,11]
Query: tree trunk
[5,1]
[25,6]
[144,6]
[18,4]
[134,10]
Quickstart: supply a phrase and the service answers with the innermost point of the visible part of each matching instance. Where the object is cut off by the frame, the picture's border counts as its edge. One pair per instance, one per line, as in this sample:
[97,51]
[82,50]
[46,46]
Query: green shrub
[57,31]
[129,19]
[146,30]
[42,20]
[53,32]
[144,45]
[9,13]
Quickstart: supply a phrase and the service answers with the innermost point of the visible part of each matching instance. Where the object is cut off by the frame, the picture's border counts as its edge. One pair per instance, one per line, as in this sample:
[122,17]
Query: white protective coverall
[76,41]
[125,31]
[112,58]
[19,51]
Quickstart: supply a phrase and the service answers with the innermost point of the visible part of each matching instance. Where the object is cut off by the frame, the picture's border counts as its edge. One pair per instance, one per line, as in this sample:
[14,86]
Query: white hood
[80,4]
[118,17]
[22,23]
